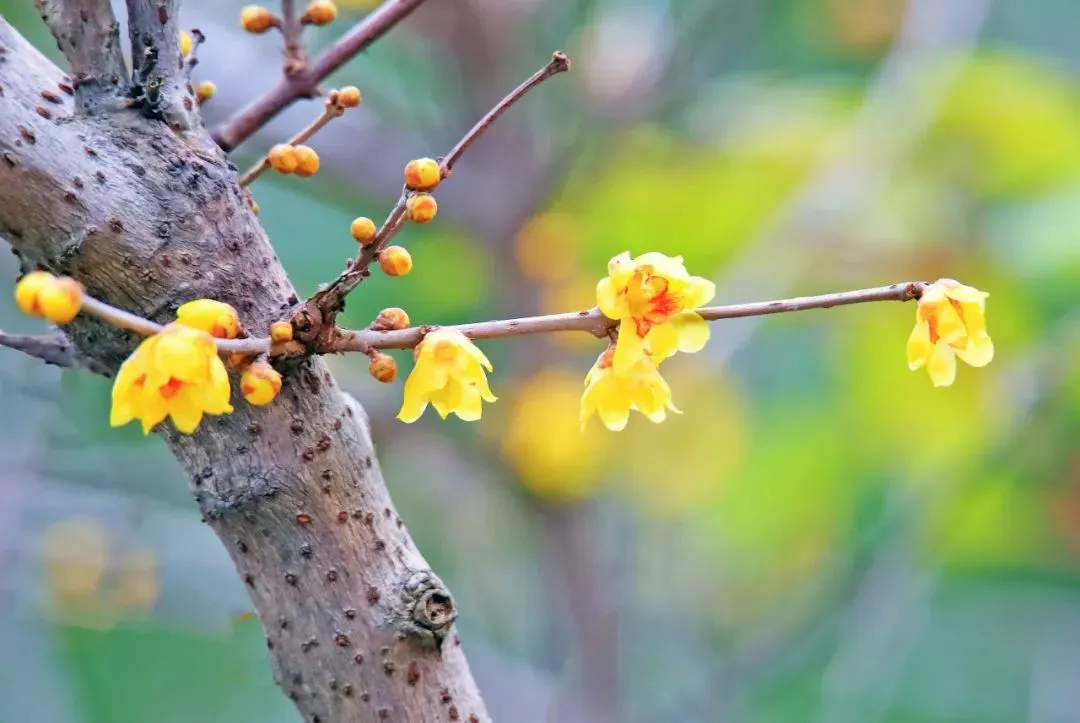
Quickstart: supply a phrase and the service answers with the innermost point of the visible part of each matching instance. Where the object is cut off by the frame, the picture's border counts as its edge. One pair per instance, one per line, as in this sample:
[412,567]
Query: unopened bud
[391,319]
[281,332]
[363,230]
[205,91]
[421,207]
[260,383]
[349,96]
[256,19]
[319,12]
[283,158]
[307,161]
[383,367]
[423,174]
[395,261]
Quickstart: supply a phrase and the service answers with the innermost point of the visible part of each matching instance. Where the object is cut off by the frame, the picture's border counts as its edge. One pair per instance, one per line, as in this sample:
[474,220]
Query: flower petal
[919,346]
[629,347]
[942,365]
[978,353]
[611,302]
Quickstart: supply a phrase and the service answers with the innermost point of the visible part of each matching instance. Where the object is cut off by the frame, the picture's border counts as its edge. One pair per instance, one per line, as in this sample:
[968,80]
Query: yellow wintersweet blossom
[175,373]
[614,395]
[216,318]
[950,322]
[449,374]
[653,297]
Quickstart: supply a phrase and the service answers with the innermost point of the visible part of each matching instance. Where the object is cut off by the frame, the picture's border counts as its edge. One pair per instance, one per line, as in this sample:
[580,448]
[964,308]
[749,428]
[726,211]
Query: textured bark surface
[146,218]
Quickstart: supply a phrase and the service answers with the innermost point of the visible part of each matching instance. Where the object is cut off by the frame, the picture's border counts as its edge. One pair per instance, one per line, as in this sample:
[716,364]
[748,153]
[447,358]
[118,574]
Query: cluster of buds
[422,175]
[301,160]
[382,366]
[257,19]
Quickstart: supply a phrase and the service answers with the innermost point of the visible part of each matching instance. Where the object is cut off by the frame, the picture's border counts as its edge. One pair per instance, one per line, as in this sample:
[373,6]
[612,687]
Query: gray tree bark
[133,199]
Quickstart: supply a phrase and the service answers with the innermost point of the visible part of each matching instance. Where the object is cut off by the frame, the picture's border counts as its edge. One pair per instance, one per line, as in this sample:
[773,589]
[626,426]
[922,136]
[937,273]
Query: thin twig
[133,322]
[329,299]
[295,57]
[595,323]
[559,64]
[330,112]
[241,126]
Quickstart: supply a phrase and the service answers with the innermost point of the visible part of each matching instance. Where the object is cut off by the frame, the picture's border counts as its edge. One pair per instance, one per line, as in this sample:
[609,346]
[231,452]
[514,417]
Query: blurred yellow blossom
[653,297]
[216,318]
[55,298]
[449,374]
[549,247]
[175,373]
[950,322]
[543,442]
[614,395]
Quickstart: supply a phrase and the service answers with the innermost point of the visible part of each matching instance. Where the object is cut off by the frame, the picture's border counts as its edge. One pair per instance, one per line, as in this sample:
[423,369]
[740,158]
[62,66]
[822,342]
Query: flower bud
[383,367]
[216,318]
[283,158]
[349,96]
[307,161]
[395,261]
[319,12]
[186,42]
[421,207]
[205,91]
[423,174]
[391,319]
[281,332]
[256,19]
[60,300]
[363,230]
[39,293]
[260,383]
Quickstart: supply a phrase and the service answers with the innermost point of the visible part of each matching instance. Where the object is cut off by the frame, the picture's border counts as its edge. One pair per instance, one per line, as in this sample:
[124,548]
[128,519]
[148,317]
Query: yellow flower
[613,396]
[653,297]
[186,41]
[214,317]
[449,374]
[175,373]
[950,322]
[57,299]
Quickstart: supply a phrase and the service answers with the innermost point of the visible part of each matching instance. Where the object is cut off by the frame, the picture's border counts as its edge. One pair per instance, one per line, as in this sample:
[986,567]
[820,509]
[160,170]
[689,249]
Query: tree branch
[89,37]
[54,349]
[595,323]
[146,219]
[304,84]
[291,29]
[159,76]
[325,303]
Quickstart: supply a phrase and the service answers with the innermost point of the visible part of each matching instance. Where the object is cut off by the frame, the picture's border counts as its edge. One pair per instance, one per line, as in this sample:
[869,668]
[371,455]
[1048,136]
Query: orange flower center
[650,300]
[171,388]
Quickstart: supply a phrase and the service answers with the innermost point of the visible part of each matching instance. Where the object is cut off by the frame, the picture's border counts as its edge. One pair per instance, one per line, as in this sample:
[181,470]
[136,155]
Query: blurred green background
[821,536]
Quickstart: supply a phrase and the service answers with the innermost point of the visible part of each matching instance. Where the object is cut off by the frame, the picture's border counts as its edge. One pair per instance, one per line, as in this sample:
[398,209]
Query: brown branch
[326,302]
[304,84]
[89,37]
[595,323]
[54,349]
[353,614]
[291,29]
[330,112]
[154,31]
[559,63]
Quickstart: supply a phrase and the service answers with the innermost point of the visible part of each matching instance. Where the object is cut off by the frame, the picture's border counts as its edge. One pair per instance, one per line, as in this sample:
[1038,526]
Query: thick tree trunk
[147,217]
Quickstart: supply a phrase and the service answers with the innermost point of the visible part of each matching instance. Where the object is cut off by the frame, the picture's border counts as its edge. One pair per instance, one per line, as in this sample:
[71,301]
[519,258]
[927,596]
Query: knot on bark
[426,612]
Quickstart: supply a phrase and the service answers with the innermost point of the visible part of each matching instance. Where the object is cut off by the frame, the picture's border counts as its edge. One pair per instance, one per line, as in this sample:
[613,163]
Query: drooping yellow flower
[653,297]
[614,395]
[260,383]
[175,373]
[950,322]
[216,318]
[449,374]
